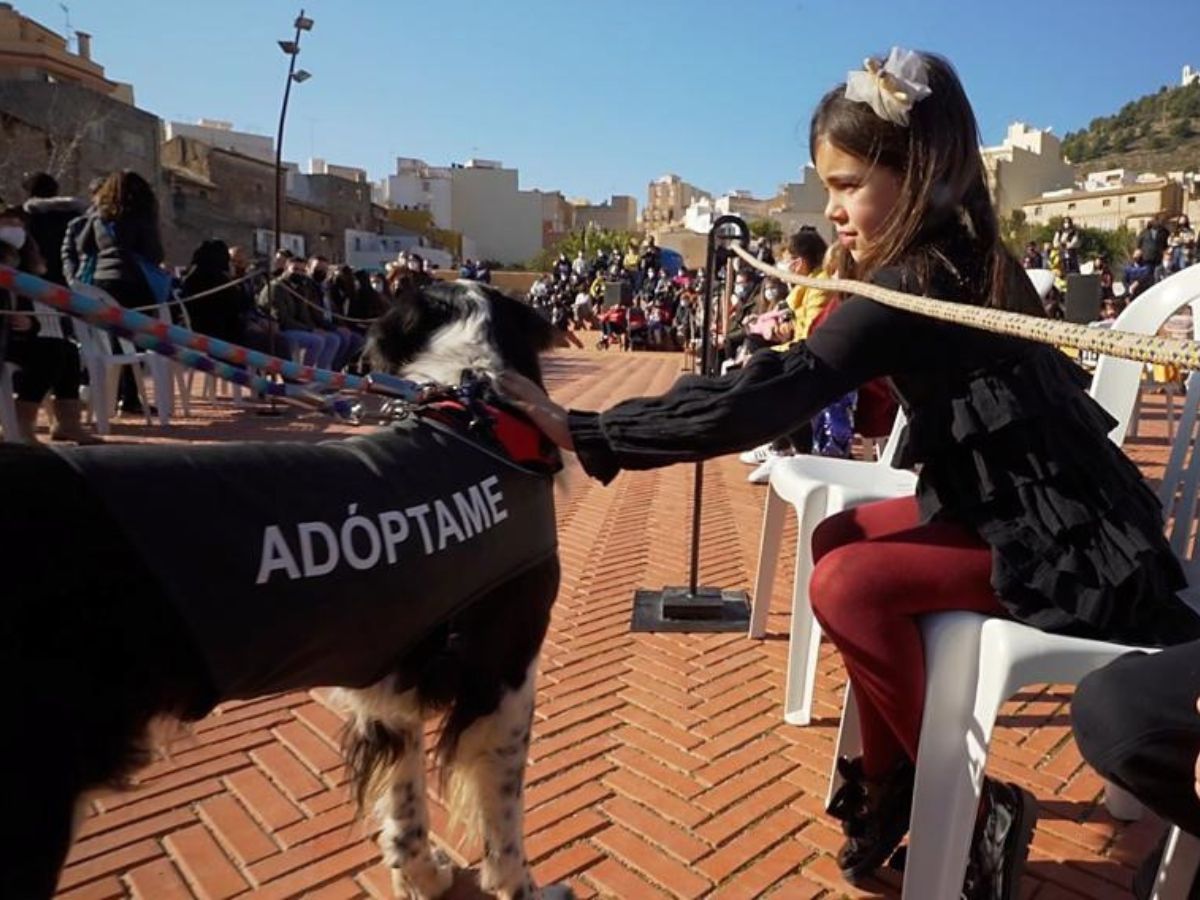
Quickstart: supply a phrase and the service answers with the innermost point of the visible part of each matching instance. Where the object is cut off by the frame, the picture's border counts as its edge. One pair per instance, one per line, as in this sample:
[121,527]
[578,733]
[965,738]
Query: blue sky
[594,98]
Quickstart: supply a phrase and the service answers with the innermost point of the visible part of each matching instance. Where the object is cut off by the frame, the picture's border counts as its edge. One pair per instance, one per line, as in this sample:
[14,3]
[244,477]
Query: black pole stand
[694,607]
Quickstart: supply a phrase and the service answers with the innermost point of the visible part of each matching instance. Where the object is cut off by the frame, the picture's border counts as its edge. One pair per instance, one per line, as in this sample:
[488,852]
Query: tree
[589,240]
[767,228]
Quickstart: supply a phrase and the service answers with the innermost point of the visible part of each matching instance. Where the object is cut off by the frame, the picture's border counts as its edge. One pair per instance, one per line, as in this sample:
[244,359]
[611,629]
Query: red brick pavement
[660,767]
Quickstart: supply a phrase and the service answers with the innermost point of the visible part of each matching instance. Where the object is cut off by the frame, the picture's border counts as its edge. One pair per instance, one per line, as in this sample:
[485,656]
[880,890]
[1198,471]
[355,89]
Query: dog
[99,642]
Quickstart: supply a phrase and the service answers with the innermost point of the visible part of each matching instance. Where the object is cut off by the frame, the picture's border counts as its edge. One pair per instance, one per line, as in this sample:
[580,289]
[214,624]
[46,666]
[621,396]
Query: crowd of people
[302,308]
[1164,246]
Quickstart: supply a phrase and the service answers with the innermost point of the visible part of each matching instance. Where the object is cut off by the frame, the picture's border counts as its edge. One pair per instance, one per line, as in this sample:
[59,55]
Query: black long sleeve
[699,418]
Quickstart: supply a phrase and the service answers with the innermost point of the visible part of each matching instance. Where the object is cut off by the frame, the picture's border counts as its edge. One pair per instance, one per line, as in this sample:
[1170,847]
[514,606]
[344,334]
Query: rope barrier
[200,296]
[322,310]
[116,318]
[1103,341]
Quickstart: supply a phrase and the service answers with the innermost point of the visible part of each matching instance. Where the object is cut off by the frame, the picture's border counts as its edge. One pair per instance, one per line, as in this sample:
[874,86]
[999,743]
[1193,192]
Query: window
[1106,203]
[1133,199]
[1070,206]
[1037,210]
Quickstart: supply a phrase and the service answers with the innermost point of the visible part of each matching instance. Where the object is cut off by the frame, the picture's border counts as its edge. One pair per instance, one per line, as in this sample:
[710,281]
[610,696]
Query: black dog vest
[297,565]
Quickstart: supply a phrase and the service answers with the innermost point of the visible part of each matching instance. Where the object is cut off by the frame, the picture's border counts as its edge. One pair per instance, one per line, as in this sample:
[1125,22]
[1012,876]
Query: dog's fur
[92,653]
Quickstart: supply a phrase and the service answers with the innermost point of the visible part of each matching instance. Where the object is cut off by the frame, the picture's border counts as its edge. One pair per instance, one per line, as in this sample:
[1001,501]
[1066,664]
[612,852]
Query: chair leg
[768,561]
[849,741]
[804,642]
[962,698]
[1177,871]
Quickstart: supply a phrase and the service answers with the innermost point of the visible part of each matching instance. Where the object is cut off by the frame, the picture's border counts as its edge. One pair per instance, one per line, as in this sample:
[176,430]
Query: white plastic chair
[8,404]
[816,487]
[1179,866]
[975,663]
[1115,386]
[103,365]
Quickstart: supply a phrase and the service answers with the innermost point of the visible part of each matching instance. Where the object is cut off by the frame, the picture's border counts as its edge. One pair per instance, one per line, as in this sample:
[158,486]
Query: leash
[395,397]
[1145,348]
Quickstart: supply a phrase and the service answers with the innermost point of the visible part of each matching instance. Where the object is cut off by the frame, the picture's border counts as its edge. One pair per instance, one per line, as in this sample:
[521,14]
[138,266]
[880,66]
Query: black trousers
[45,364]
[1137,724]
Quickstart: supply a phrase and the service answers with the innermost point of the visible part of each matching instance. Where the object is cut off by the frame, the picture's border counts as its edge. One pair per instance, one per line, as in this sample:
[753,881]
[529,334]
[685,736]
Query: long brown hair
[937,159]
[126,195]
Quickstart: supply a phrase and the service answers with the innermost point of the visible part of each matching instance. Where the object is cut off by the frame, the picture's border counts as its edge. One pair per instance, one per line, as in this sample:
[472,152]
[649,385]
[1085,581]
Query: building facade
[419,186]
[667,198]
[217,133]
[1027,164]
[1131,205]
[618,213]
[497,220]
[29,51]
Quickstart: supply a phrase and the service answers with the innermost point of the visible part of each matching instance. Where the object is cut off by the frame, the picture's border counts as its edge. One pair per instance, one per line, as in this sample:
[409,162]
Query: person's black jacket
[48,220]
[221,314]
[116,245]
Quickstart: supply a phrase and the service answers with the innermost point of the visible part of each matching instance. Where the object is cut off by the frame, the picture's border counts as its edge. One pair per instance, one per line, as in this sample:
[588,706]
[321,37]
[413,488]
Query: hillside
[1157,132]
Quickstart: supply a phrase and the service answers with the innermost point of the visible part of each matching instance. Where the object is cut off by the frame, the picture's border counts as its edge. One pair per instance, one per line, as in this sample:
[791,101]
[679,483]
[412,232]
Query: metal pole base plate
[678,609]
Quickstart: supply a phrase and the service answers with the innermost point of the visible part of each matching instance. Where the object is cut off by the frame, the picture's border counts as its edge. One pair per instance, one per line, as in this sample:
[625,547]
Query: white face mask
[771,293]
[13,235]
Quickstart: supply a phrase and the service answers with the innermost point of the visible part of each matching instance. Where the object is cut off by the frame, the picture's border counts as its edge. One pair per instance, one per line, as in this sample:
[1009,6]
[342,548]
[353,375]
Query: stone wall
[86,135]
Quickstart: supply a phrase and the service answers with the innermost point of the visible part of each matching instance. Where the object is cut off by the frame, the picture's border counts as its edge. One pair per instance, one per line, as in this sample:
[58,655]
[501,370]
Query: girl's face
[861,196]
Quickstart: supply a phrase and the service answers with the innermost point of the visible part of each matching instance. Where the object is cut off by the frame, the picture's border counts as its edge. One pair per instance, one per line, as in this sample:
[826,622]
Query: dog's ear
[397,336]
[519,333]
[540,334]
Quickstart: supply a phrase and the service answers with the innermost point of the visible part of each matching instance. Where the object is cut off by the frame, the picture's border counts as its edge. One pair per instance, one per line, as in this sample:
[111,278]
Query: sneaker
[874,817]
[1001,843]
[757,456]
[762,474]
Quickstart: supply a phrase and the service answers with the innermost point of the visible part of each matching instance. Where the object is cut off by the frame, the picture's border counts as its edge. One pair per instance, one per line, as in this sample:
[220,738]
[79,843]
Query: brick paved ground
[661,766]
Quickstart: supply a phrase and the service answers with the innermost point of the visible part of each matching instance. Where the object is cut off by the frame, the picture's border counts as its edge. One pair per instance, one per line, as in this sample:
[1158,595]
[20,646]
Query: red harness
[511,432]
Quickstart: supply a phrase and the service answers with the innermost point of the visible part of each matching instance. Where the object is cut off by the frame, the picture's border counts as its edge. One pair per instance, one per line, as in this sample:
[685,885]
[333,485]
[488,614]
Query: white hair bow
[890,88]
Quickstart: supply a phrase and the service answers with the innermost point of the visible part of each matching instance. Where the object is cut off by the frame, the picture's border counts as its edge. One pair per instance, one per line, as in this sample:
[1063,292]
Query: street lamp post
[292,49]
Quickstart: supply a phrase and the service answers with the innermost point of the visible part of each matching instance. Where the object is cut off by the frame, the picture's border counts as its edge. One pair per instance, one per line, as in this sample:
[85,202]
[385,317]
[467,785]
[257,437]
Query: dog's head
[437,332]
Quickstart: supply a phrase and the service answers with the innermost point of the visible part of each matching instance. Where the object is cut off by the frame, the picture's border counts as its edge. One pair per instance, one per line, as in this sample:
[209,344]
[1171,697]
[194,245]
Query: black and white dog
[142,583]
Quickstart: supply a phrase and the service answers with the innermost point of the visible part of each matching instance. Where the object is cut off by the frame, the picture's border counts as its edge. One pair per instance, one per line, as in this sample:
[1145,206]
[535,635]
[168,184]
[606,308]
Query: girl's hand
[530,399]
[1196,786]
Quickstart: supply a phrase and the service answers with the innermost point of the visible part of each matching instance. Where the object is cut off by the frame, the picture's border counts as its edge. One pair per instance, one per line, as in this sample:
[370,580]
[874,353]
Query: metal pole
[715,257]
[287,92]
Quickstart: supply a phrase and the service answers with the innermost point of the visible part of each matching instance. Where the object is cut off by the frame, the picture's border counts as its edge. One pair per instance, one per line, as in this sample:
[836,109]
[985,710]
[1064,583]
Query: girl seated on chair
[1024,508]
[46,361]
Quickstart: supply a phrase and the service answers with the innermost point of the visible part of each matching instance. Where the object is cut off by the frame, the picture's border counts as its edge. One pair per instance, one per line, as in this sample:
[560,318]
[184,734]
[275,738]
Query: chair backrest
[889,449]
[1116,381]
[1181,484]
[1043,281]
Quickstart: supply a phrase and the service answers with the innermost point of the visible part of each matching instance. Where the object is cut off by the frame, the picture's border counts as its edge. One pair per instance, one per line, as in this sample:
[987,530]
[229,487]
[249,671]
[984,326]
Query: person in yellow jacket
[806,251]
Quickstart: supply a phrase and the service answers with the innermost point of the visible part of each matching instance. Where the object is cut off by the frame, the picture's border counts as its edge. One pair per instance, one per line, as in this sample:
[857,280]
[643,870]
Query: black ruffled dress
[1007,440]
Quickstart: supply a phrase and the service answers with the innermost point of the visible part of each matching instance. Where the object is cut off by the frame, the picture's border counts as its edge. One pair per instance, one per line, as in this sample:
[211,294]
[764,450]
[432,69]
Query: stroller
[613,325]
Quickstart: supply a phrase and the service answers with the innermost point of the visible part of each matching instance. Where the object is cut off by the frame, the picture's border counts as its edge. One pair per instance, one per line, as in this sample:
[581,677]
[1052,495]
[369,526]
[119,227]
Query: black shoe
[1001,843]
[874,817]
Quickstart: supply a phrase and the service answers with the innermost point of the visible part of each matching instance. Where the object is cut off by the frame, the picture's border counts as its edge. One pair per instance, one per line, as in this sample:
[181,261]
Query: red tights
[877,569]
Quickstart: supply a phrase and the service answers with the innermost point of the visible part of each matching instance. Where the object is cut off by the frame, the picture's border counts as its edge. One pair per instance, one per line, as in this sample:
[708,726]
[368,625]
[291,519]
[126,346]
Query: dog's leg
[388,735]
[489,778]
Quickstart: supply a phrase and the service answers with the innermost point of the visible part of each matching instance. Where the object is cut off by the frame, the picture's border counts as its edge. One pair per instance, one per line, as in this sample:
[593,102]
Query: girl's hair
[126,195]
[942,180]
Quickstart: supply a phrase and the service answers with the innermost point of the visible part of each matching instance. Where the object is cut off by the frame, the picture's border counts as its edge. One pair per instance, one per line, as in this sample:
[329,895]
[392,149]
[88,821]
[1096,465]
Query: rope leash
[1145,348]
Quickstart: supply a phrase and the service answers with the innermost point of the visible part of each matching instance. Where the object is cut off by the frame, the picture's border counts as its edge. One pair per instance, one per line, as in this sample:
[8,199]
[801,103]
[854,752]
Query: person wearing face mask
[47,363]
[321,294]
[283,301]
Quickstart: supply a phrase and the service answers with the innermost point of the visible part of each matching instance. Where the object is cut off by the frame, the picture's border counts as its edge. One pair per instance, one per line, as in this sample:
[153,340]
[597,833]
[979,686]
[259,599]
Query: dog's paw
[429,881]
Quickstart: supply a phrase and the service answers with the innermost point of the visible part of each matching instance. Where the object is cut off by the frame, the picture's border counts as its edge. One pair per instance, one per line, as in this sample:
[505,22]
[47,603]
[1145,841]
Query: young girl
[1024,508]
